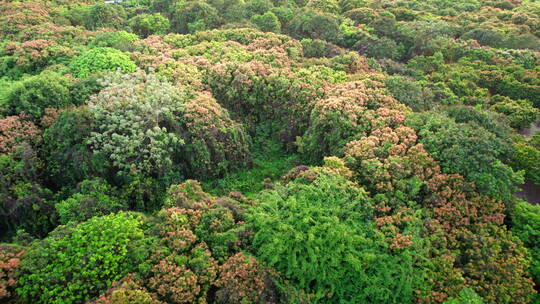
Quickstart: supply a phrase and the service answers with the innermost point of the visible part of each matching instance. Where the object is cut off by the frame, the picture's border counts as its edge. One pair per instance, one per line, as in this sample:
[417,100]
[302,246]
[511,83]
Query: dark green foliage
[309,23]
[145,25]
[267,22]
[527,158]
[104,15]
[193,16]
[33,95]
[68,157]
[120,40]
[75,263]
[91,198]
[520,113]
[84,88]
[468,149]
[101,59]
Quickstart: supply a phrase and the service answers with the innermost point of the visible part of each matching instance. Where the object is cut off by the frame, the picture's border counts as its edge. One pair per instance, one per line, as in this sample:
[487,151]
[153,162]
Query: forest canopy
[269,151]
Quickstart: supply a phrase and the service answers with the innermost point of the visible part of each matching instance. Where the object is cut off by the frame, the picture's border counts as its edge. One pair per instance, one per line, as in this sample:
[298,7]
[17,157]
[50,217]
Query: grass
[270,162]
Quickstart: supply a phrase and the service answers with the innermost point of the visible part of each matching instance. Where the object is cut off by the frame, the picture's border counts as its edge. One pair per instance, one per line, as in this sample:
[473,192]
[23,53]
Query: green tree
[77,262]
[267,22]
[33,95]
[91,198]
[145,25]
[317,230]
[101,59]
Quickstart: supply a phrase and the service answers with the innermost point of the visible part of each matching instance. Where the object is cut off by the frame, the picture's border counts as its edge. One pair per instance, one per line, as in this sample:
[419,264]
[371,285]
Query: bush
[243,279]
[10,258]
[267,22]
[76,263]
[215,144]
[527,158]
[520,113]
[14,131]
[317,231]
[101,59]
[526,226]
[120,40]
[145,25]
[104,15]
[349,112]
[137,119]
[92,198]
[33,95]
[193,16]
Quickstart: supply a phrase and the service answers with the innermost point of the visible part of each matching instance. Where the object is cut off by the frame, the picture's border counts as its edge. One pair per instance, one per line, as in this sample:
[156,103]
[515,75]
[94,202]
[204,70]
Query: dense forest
[269,151]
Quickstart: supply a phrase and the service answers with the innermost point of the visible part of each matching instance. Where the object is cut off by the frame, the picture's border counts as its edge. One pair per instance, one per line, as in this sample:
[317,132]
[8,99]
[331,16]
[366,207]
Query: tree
[92,198]
[145,25]
[316,229]
[193,16]
[33,95]
[526,226]
[520,113]
[120,40]
[267,22]
[468,149]
[77,262]
[137,119]
[101,59]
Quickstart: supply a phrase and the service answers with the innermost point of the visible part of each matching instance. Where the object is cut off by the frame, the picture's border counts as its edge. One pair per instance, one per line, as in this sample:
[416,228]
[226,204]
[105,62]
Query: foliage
[101,59]
[243,279]
[526,158]
[467,149]
[120,40]
[33,95]
[525,225]
[520,113]
[77,262]
[267,22]
[145,25]
[10,259]
[92,198]
[15,130]
[349,111]
[214,143]
[317,231]
[137,122]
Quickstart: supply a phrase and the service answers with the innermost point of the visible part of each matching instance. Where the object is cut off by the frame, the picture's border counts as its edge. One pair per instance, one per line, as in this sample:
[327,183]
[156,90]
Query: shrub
[193,16]
[317,231]
[214,143]
[104,15]
[350,111]
[242,279]
[76,263]
[526,226]
[92,198]
[14,130]
[10,258]
[127,291]
[120,40]
[267,22]
[101,59]
[527,158]
[137,123]
[145,25]
[33,95]
[520,113]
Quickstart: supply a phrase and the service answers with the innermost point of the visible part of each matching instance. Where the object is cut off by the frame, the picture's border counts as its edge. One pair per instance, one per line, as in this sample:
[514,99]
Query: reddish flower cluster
[15,130]
[9,262]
